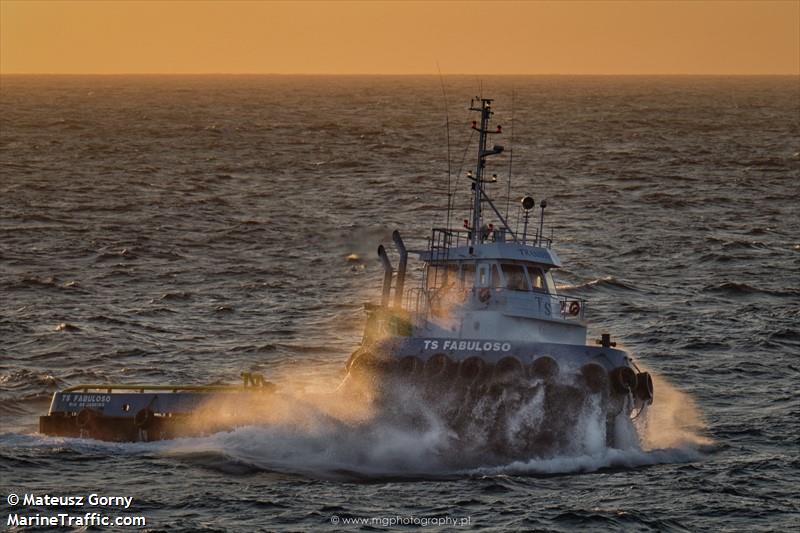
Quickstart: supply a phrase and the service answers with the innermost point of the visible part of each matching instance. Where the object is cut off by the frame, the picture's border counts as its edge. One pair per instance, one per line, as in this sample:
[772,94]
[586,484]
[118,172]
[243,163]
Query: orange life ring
[574,308]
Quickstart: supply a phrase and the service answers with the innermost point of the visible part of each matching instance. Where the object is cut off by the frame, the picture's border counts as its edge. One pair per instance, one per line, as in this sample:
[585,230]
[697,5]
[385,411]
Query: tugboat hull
[525,399]
[490,352]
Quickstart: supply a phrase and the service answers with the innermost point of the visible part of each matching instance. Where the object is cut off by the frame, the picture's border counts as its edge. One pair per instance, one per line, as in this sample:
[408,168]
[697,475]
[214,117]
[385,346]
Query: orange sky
[672,37]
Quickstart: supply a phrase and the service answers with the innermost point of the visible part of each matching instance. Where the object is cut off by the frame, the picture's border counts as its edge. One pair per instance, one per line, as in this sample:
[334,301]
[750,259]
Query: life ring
[574,308]
[484,294]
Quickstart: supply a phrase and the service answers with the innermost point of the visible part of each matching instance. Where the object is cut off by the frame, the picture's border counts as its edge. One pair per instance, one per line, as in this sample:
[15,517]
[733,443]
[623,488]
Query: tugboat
[484,341]
[485,336]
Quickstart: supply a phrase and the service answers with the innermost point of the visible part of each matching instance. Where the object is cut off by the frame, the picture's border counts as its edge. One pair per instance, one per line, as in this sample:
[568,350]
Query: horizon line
[387,74]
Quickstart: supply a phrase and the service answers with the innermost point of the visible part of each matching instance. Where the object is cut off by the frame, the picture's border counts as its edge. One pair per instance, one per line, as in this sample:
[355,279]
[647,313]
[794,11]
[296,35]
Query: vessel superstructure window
[432,278]
[515,277]
[483,275]
[467,276]
[551,285]
[537,279]
[497,281]
[441,276]
[451,274]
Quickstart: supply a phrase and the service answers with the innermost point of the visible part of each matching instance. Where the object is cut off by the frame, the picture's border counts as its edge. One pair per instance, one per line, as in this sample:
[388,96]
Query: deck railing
[442,239]
[422,302]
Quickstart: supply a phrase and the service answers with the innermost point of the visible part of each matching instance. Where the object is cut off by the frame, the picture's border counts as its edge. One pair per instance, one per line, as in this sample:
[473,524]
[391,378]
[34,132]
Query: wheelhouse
[485,279]
[465,275]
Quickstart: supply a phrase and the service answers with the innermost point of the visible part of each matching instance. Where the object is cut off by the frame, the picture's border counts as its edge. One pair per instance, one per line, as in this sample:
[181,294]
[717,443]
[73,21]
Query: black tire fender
[644,387]
[144,418]
[545,368]
[85,418]
[595,377]
[623,379]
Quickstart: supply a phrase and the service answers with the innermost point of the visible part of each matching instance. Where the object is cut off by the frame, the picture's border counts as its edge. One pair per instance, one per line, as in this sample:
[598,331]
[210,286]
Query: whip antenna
[511,154]
[447,130]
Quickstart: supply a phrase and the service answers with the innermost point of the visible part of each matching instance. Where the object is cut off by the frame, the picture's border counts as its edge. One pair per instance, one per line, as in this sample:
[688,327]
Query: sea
[186,229]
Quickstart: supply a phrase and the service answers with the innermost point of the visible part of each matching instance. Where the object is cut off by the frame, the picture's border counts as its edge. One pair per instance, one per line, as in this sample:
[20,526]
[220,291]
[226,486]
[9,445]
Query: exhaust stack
[387,275]
[401,269]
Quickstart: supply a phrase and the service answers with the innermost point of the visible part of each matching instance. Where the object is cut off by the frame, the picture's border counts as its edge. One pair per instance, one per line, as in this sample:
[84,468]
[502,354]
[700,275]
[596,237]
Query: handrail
[456,237]
[417,300]
[85,387]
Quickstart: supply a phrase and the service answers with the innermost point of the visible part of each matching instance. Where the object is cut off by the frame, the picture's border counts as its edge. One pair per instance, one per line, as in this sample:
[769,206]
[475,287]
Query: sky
[564,37]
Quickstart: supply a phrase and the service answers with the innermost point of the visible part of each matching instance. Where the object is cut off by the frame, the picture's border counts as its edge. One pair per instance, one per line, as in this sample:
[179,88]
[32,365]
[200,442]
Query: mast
[486,112]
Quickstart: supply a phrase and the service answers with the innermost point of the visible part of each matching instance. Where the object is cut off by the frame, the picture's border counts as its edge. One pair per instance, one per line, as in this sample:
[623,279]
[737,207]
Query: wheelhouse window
[510,276]
[551,285]
[525,278]
[497,281]
[467,276]
[537,279]
[515,277]
[441,276]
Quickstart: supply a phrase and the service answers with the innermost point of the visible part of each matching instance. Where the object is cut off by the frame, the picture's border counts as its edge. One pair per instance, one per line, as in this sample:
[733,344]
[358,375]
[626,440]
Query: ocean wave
[33,282]
[608,282]
[608,458]
[176,296]
[115,256]
[786,336]
[728,245]
[731,288]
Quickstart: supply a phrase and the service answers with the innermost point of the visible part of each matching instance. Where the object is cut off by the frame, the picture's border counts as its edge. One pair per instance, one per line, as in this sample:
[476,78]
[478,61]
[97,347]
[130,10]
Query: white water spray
[349,435]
